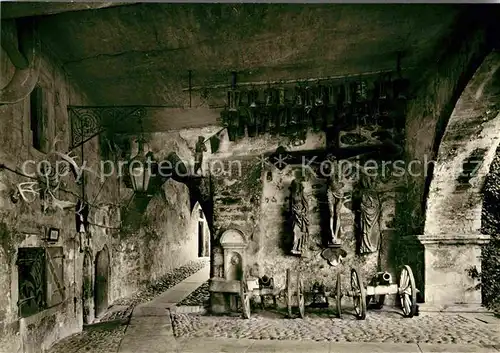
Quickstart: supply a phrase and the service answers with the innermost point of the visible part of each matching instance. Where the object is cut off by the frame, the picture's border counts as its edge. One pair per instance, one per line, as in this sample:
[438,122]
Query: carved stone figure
[235,270]
[335,198]
[218,263]
[299,219]
[198,155]
[369,209]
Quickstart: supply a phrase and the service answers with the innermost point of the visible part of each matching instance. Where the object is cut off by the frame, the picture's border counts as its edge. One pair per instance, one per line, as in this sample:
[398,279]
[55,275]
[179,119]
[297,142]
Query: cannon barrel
[387,277]
[383,278]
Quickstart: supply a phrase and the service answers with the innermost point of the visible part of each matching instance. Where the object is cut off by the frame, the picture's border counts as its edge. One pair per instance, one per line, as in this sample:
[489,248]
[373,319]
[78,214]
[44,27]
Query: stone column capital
[454,239]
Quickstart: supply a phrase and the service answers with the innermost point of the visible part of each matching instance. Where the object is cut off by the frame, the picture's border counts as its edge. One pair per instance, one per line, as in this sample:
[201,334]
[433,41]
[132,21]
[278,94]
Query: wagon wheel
[407,292]
[245,299]
[358,295]
[338,296]
[300,297]
[289,293]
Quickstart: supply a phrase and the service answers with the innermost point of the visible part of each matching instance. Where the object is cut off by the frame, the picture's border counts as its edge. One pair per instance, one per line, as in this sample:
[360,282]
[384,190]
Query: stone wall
[251,195]
[168,242]
[159,233]
[24,224]
[426,119]
[452,234]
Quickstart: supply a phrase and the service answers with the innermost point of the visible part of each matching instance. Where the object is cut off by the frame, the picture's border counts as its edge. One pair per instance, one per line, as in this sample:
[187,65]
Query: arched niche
[101,279]
[233,243]
[87,288]
[232,238]
[201,229]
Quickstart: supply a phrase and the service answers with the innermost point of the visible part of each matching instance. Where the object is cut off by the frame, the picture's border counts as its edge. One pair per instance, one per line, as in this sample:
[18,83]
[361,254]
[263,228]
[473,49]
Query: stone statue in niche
[198,155]
[369,214]
[235,270]
[218,263]
[299,220]
[335,199]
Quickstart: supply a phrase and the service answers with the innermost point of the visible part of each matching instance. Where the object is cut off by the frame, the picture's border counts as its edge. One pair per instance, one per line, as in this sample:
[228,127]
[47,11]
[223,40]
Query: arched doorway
[202,231]
[87,288]
[101,286]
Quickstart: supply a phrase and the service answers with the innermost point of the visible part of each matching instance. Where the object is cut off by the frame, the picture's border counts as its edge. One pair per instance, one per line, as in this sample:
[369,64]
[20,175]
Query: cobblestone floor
[200,297]
[106,337]
[151,290]
[94,340]
[379,326]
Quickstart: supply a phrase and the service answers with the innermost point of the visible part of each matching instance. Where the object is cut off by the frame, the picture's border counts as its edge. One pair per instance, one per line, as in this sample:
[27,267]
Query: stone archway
[101,281]
[452,234]
[87,289]
[201,229]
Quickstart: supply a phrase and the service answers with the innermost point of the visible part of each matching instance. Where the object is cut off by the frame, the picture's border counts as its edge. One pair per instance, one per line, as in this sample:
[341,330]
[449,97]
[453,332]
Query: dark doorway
[101,286]
[201,239]
[87,288]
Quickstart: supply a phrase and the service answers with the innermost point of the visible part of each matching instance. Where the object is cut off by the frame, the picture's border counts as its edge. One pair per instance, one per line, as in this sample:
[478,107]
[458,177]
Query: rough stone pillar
[447,259]
[452,234]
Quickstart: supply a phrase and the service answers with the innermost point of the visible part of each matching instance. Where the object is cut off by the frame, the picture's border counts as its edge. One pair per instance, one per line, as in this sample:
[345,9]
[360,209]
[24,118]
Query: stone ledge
[452,308]
[454,239]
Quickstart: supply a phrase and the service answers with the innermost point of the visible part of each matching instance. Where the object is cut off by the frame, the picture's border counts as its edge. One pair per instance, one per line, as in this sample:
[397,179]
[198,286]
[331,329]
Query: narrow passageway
[106,335]
[249,177]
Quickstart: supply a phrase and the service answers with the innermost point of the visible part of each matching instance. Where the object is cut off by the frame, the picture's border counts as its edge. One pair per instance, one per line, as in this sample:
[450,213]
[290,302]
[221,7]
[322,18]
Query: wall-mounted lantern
[253,96]
[319,96]
[140,169]
[233,95]
[332,95]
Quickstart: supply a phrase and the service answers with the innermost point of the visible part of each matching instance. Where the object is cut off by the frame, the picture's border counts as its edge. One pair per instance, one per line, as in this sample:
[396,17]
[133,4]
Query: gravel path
[200,297]
[379,326]
[106,337]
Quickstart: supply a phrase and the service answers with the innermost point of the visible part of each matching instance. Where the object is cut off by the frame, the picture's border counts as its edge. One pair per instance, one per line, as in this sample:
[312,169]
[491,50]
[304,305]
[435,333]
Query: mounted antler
[61,204]
[76,169]
[54,143]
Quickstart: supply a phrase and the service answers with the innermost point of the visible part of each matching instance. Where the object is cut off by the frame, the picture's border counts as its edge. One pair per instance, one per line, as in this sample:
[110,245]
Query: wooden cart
[251,289]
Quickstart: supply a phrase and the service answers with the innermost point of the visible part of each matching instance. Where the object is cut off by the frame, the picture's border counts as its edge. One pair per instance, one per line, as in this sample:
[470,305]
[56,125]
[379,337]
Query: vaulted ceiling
[141,53]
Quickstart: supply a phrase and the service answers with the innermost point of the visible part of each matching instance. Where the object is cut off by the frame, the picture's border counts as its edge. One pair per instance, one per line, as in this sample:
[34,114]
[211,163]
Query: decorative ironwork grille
[32,280]
[88,122]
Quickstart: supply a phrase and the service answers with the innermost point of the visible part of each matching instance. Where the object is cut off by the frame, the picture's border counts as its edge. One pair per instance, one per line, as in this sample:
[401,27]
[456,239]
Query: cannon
[294,290]
[377,300]
[375,293]
[382,285]
[262,288]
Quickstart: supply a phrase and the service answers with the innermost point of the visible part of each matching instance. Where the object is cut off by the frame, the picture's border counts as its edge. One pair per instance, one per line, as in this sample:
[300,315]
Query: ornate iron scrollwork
[88,122]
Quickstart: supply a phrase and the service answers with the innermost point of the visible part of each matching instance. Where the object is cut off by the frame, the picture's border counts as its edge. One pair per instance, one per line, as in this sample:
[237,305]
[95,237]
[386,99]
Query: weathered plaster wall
[171,234]
[160,234]
[24,224]
[168,242]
